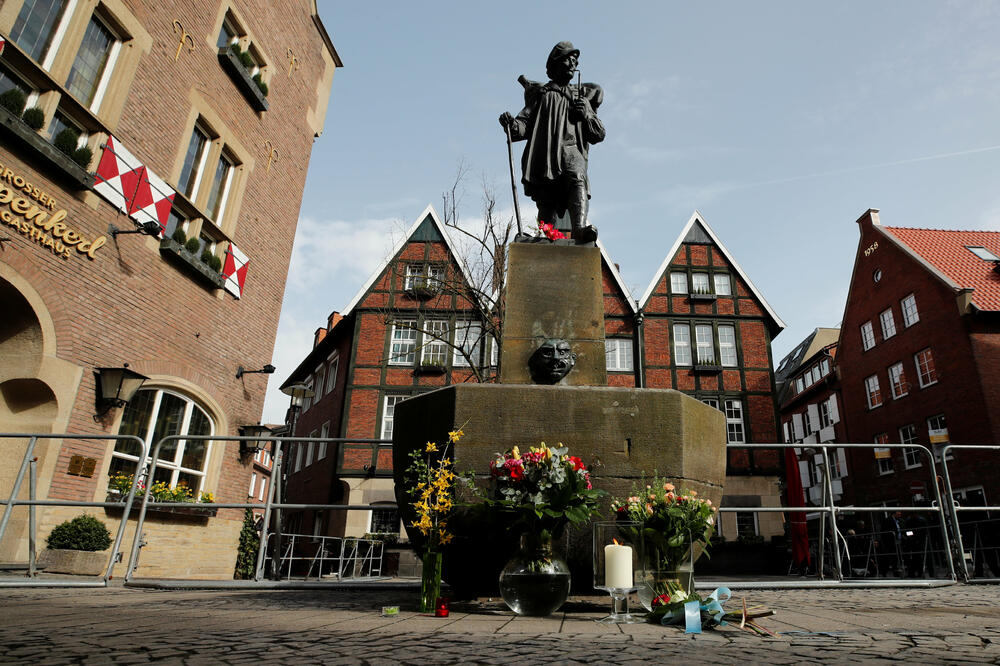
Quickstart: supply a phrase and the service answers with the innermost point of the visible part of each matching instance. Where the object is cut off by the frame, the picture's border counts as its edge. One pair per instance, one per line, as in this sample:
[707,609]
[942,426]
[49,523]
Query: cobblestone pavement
[958,624]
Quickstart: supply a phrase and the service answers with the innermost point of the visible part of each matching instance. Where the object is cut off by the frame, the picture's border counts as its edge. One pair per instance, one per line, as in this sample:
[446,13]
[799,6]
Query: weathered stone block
[76,562]
[554,291]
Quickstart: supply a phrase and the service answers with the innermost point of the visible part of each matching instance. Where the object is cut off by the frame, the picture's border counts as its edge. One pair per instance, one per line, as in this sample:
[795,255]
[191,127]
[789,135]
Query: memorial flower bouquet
[544,488]
[431,486]
[675,527]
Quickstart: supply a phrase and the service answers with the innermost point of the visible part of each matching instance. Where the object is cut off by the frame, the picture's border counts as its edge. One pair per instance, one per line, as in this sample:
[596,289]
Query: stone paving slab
[959,624]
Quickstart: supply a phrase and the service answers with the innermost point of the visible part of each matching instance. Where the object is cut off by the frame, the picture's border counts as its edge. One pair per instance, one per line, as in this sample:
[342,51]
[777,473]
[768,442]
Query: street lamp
[115,387]
[259,443]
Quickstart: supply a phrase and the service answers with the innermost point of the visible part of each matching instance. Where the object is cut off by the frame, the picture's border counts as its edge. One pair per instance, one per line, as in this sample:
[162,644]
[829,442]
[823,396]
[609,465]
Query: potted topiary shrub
[74,547]
[66,141]
[34,118]
[216,263]
[179,236]
[260,84]
[192,245]
[82,156]
[14,100]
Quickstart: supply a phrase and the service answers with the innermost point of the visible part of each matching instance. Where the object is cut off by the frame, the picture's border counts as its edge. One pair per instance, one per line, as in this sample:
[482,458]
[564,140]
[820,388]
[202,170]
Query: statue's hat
[561,50]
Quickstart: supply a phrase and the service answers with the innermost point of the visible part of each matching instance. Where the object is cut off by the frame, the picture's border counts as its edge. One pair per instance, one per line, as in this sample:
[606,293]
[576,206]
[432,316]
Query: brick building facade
[186,141]
[918,354]
[646,346]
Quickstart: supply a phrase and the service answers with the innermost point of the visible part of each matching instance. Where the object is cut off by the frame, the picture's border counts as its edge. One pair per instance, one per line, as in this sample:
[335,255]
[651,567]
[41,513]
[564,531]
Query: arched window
[157,413]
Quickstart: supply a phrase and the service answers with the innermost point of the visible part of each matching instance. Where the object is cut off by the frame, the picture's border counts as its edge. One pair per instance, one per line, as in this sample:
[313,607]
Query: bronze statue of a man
[559,123]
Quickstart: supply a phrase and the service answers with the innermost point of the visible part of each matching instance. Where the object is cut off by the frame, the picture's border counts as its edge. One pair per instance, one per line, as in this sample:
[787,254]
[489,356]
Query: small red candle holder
[441,607]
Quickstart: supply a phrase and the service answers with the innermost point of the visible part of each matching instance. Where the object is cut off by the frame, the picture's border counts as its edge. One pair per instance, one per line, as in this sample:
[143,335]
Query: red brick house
[387,345]
[919,352]
[809,408]
[707,330]
[654,346]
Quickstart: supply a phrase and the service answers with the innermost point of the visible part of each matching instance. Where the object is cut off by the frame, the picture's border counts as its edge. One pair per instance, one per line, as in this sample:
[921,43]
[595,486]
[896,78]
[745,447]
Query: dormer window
[982,253]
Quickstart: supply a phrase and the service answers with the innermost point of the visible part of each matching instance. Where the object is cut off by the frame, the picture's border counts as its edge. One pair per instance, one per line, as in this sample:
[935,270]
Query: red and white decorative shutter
[130,187]
[235,270]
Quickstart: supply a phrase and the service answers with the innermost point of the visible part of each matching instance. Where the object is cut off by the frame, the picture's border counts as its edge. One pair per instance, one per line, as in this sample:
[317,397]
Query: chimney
[318,336]
[332,320]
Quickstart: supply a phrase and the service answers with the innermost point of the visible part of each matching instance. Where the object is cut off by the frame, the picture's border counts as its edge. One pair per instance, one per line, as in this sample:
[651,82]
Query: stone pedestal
[622,434]
[554,291]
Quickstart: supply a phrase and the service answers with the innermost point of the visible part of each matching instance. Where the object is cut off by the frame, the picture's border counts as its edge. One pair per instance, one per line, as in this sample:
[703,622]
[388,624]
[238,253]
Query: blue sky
[782,122]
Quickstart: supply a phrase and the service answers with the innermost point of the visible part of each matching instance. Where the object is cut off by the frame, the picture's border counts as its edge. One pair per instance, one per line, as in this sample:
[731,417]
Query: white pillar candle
[618,566]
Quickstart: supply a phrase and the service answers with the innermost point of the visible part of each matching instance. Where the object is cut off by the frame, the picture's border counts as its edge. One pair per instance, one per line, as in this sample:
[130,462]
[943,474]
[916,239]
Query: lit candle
[618,566]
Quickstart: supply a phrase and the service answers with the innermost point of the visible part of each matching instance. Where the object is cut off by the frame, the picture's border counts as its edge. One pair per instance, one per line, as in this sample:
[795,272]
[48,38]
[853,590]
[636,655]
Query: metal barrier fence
[984,549]
[939,542]
[128,504]
[341,558]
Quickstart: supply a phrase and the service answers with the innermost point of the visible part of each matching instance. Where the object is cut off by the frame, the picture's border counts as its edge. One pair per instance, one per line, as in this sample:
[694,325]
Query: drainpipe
[638,350]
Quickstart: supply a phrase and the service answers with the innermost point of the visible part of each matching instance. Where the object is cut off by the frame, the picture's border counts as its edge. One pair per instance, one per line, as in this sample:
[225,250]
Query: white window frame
[734,422]
[888,323]
[332,369]
[800,384]
[104,78]
[299,455]
[467,331]
[727,347]
[682,344]
[723,284]
[320,381]
[678,282]
[910,313]
[324,433]
[618,354]
[253,484]
[389,403]
[263,488]
[434,345]
[867,336]
[700,283]
[404,336]
[897,380]
[176,465]
[925,369]
[911,456]
[420,275]
[704,340]
[873,392]
[310,448]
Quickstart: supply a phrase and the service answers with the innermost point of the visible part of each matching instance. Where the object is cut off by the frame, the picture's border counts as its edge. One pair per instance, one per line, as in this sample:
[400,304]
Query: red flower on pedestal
[550,231]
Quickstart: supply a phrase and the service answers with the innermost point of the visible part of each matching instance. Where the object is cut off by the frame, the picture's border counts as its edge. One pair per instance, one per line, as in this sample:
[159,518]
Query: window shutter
[834,413]
[813,413]
[797,425]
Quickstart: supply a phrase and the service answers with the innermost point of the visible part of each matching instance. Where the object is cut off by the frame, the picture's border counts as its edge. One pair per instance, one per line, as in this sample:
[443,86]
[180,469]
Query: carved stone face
[552,361]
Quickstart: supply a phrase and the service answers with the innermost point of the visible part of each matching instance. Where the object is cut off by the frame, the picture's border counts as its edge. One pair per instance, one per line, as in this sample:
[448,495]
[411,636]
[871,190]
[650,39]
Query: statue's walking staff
[513,182]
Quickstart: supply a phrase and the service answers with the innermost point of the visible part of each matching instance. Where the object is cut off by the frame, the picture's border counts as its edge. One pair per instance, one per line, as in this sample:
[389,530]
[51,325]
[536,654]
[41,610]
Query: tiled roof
[948,252]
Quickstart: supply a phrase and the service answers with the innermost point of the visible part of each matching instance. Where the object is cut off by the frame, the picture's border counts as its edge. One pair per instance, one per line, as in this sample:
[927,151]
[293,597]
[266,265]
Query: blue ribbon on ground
[693,609]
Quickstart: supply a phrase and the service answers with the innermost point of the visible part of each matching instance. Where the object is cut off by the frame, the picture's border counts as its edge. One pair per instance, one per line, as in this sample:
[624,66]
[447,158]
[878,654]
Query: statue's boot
[582,232]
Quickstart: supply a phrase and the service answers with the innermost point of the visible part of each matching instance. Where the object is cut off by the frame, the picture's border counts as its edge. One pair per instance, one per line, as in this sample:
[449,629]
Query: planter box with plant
[701,296]
[184,256]
[74,547]
[120,484]
[22,126]
[238,64]
[431,368]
